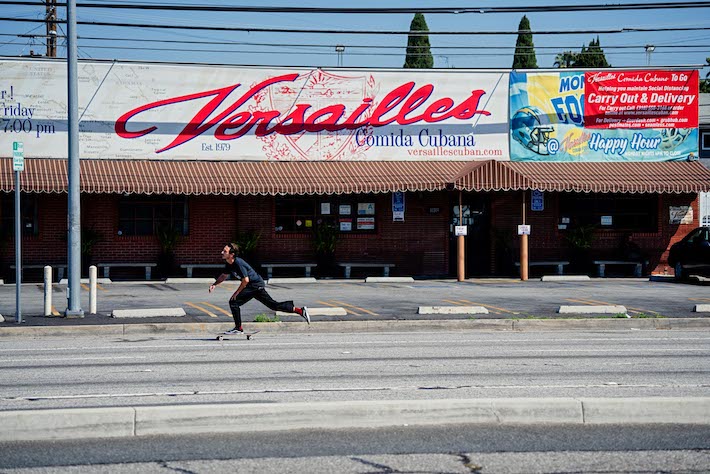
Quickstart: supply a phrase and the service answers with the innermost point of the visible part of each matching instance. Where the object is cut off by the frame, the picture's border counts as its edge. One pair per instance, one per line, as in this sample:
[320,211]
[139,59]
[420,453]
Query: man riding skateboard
[251,286]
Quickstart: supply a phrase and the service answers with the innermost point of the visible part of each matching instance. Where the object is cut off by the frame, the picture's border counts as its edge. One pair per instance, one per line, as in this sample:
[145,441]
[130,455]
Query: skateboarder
[251,286]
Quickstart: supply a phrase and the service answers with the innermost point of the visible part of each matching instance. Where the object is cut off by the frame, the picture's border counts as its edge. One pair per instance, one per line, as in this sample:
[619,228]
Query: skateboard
[222,337]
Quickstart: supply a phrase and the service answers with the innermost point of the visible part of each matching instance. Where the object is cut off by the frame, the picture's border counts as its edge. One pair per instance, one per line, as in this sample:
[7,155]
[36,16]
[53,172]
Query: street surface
[83,371]
[450,449]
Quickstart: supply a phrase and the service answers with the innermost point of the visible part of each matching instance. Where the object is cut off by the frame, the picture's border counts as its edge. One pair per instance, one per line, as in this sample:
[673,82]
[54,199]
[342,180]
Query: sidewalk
[115,422]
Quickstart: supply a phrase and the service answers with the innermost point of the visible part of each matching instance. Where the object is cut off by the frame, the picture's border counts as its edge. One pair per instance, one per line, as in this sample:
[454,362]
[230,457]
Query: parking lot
[503,298]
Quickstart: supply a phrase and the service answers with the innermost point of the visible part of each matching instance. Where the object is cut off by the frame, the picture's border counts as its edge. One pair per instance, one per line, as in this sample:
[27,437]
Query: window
[348,214]
[143,215]
[705,141]
[28,210]
[610,211]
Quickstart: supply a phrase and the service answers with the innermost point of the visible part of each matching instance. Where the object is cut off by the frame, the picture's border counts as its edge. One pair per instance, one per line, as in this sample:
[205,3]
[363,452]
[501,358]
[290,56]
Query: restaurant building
[180,159]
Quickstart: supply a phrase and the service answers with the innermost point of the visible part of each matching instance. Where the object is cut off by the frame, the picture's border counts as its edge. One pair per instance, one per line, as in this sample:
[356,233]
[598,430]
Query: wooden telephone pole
[51,21]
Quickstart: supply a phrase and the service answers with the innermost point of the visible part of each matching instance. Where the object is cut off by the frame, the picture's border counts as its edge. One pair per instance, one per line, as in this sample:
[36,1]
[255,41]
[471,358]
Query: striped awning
[233,178]
[319,177]
[597,177]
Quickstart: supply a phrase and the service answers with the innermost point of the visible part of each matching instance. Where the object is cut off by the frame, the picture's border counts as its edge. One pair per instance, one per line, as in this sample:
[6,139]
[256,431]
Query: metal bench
[107,267]
[60,268]
[348,267]
[190,266]
[601,266]
[270,267]
[560,264]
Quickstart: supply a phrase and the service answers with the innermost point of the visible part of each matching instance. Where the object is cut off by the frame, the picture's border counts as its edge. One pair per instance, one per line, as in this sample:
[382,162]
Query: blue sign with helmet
[547,124]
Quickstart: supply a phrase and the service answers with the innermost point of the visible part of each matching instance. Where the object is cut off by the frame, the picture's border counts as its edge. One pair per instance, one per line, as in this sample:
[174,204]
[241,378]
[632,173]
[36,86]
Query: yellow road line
[333,305]
[457,303]
[355,307]
[699,299]
[84,286]
[211,315]
[216,307]
[490,307]
[587,302]
[54,311]
[100,287]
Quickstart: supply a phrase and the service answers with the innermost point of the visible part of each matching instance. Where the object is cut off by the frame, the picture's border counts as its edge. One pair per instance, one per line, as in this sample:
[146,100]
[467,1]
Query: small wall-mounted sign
[461,230]
[524,229]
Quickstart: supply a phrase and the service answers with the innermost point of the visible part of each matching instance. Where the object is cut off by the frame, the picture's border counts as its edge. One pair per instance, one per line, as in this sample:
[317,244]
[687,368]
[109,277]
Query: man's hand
[234,296]
[212,287]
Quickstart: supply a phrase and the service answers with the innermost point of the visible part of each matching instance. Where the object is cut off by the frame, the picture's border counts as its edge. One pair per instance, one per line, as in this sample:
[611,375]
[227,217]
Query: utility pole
[51,21]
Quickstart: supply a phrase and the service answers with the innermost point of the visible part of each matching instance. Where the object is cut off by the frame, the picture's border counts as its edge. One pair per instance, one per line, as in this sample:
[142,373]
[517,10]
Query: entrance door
[705,209]
[476,216]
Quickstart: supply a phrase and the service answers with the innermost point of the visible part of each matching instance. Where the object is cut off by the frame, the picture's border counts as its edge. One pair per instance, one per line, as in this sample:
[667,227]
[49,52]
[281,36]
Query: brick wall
[418,246]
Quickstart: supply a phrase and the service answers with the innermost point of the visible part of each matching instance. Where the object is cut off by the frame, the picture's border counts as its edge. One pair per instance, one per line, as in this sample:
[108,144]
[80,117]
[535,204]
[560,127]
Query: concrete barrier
[148,313]
[452,310]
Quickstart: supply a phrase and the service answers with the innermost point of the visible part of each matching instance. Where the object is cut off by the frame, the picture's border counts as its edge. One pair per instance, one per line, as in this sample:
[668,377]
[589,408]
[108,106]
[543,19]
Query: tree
[418,47]
[524,48]
[705,84]
[565,59]
[591,56]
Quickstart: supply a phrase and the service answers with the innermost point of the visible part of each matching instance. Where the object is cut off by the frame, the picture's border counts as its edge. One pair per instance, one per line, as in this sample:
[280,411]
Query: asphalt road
[431,449]
[83,371]
[504,298]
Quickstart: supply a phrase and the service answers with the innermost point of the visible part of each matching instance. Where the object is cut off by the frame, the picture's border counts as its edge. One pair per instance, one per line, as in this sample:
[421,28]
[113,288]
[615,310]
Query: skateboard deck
[222,337]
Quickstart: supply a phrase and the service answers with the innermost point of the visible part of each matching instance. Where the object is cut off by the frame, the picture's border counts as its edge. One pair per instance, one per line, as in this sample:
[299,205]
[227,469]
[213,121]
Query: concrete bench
[60,268]
[601,266]
[108,266]
[350,265]
[270,267]
[190,266]
[560,264]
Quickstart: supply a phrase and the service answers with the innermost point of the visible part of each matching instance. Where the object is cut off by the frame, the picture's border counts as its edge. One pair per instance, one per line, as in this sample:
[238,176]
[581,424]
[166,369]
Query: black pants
[262,296]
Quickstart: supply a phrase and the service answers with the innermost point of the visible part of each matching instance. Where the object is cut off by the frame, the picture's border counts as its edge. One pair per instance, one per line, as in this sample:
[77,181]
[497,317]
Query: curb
[74,423]
[597,324]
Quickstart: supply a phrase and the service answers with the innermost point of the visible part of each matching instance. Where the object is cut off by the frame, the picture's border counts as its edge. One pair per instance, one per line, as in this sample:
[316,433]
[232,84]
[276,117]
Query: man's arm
[219,280]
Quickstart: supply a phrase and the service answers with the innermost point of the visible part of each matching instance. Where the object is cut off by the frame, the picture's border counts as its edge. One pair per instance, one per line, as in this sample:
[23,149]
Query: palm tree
[565,60]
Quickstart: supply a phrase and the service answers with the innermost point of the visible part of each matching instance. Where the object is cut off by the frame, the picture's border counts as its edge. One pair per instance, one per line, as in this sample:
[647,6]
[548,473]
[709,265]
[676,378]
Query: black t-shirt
[240,269]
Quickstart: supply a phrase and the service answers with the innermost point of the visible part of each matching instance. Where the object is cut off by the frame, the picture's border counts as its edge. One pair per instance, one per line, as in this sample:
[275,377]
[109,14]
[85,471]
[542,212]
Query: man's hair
[233,248]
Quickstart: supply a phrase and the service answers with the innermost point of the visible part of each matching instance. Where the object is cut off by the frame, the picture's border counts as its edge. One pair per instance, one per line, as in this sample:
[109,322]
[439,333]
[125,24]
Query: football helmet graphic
[531,127]
[672,137]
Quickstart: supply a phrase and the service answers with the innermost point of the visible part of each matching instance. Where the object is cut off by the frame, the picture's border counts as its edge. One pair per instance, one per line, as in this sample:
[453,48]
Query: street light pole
[74,209]
[649,49]
[340,49]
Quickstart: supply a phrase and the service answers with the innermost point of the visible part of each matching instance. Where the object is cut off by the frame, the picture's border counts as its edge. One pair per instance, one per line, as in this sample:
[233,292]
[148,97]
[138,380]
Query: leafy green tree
[418,47]
[524,48]
[705,84]
[591,56]
[565,59]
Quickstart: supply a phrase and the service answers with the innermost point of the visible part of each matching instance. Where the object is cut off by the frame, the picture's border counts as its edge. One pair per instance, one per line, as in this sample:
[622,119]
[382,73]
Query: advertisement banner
[548,123]
[200,112]
[641,99]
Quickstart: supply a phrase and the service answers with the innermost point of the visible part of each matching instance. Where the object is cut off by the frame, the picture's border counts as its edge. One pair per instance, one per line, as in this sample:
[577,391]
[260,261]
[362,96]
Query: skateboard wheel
[248,337]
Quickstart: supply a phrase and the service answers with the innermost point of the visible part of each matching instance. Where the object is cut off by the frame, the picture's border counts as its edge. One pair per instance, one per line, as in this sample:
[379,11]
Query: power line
[354,46]
[371,32]
[384,10]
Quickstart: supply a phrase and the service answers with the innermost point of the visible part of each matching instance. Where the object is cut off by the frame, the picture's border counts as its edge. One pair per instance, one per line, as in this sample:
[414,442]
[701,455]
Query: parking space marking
[54,311]
[210,314]
[699,299]
[629,308]
[334,305]
[217,308]
[494,309]
[355,307]
[467,303]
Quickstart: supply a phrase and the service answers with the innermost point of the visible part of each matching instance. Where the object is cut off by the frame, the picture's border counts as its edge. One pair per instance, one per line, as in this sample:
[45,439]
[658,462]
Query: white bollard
[47,290]
[92,289]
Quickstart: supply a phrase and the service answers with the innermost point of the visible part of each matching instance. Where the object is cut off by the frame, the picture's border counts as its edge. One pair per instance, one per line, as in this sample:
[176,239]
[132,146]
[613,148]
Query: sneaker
[234,331]
[305,315]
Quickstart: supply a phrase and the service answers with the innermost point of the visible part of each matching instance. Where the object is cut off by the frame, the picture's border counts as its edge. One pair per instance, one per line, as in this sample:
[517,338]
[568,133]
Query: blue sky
[383,51]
